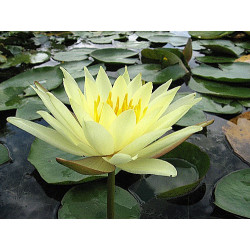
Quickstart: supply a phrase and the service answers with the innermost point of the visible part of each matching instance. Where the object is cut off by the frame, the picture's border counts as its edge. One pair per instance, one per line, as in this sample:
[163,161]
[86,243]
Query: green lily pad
[222,47]
[43,157]
[27,58]
[238,72]
[147,34]
[232,193]
[155,73]
[218,89]
[73,55]
[172,39]
[132,44]
[4,154]
[90,202]
[3,59]
[192,165]
[244,45]
[29,107]
[105,39]
[209,34]
[215,59]
[114,55]
[193,116]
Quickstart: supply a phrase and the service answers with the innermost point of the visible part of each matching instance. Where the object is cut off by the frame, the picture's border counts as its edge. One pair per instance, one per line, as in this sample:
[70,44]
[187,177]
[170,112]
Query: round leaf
[232,193]
[43,157]
[209,34]
[192,165]
[114,55]
[90,202]
[215,59]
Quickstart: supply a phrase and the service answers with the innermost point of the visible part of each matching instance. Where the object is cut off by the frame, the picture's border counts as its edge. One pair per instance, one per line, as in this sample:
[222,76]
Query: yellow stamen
[137,110]
[130,106]
[96,104]
[109,101]
[125,103]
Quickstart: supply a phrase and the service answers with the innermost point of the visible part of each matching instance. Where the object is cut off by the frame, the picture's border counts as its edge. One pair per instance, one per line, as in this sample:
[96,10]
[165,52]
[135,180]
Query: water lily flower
[121,126]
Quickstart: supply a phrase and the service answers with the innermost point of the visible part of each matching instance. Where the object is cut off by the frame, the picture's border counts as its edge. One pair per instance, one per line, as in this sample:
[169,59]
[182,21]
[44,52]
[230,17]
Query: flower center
[120,107]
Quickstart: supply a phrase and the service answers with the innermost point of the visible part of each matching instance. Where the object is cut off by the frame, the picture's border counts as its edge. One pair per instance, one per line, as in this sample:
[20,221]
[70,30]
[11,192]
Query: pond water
[24,194]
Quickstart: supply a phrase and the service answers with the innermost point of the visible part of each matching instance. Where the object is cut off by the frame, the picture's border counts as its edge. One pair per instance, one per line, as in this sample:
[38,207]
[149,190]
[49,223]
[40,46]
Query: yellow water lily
[113,126]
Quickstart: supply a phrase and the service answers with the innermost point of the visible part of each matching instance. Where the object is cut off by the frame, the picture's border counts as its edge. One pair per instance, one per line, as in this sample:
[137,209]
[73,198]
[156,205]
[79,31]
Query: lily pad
[26,58]
[155,73]
[29,107]
[209,34]
[90,202]
[215,59]
[232,193]
[222,47]
[234,73]
[43,157]
[105,39]
[192,165]
[114,55]
[73,55]
[4,154]
[245,103]
[218,89]
[3,59]
[172,39]
[237,132]
[132,44]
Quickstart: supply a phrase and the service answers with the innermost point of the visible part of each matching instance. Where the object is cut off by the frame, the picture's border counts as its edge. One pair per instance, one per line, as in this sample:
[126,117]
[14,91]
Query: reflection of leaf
[90,202]
[237,132]
[192,165]
[232,193]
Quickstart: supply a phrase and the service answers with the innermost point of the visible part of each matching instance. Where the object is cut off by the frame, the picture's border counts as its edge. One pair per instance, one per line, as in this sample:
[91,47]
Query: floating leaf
[234,73]
[209,34]
[27,58]
[105,39]
[147,34]
[43,157]
[222,47]
[132,44]
[218,89]
[245,103]
[215,59]
[3,59]
[232,193]
[90,202]
[172,39]
[78,54]
[237,132]
[4,154]
[192,165]
[155,73]
[188,51]
[29,107]
[114,55]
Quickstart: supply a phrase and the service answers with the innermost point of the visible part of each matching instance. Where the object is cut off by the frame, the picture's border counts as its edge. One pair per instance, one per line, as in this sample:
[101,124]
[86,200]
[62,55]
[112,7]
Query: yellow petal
[119,89]
[171,118]
[103,84]
[107,116]
[168,142]
[46,134]
[160,90]
[139,143]
[149,166]
[88,166]
[126,75]
[98,137]
[134,85]
[122,128]
[119,159]
[144,93]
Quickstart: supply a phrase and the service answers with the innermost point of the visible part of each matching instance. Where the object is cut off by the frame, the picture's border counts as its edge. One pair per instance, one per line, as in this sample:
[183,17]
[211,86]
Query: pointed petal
[46,134]
[149,166]
[122,128]
[168,142]
[98,137]
[160,90]
[126,75]
[103,84]
[134,85]
[139,143]
[119,89]
[107,116]
[88,166]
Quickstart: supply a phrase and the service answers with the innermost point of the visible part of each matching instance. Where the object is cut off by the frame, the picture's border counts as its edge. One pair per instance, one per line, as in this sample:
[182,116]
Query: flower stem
[111,195]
